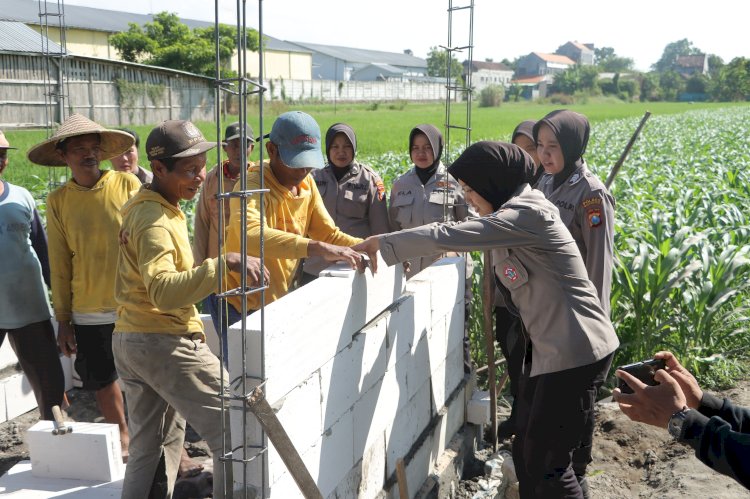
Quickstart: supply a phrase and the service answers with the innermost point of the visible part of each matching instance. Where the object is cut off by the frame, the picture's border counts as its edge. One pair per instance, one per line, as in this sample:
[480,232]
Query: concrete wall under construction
[361,370]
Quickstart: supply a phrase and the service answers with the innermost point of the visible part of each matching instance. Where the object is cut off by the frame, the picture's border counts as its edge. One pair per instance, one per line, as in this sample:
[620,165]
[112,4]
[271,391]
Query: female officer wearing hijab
[426,193]
[587,209]
[352,192]
[540,271]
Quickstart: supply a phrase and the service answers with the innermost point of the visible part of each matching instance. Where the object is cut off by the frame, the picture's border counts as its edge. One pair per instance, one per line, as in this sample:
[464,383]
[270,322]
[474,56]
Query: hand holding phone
[644,371]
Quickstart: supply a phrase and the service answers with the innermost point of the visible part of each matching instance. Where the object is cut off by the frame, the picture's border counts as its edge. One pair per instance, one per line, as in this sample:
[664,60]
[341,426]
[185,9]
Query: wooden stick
[498,362]
[488,303]
[626,151]
[403,488]
[259,406]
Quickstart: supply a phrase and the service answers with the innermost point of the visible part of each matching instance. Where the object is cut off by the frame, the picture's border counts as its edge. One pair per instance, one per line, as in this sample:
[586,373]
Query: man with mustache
[83,222]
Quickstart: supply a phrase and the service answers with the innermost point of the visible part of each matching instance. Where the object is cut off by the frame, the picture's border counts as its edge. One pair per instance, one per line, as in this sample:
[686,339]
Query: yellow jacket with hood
[290,223]
[156,284]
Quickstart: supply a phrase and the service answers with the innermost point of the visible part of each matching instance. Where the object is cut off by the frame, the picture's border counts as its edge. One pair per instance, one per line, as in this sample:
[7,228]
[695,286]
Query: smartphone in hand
[644,371]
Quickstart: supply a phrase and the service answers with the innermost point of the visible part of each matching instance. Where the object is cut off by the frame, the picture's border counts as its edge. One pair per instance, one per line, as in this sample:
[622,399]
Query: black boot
[506,429]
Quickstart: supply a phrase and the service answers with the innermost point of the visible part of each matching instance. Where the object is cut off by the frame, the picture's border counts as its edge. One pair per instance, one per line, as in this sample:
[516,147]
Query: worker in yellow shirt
[83,221]
[159,345]
[296,223]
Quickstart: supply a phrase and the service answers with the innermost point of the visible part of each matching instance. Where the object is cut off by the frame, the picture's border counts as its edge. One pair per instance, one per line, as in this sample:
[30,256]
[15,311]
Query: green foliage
[491,96]
[733,81]
[437,64]
[672,84]
[169,43]
[672,51]
[577,79]
[609,62]
[650,89]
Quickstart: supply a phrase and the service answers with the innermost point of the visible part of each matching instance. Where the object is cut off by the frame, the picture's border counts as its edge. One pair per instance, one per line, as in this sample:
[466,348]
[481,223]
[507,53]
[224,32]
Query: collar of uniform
[577,175]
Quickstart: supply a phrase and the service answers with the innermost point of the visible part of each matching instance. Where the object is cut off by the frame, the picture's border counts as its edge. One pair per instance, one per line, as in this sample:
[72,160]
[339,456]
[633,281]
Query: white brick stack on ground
[362,370]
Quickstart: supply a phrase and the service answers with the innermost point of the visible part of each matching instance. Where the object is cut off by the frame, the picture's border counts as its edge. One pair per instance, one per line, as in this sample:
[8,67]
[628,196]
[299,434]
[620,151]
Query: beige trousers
[163,376]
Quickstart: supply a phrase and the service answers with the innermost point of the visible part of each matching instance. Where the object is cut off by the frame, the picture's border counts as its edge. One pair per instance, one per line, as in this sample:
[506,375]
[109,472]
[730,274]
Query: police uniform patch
[595,217]
[510,273]
[574,178]
[381,189]
[591,201]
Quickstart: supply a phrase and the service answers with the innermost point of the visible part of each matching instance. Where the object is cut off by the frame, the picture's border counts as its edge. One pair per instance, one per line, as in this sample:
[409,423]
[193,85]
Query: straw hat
[4,144]
[113,142]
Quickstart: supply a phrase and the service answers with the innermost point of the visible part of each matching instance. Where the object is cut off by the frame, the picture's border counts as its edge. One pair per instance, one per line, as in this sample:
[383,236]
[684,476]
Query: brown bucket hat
[113,142]
[4,144]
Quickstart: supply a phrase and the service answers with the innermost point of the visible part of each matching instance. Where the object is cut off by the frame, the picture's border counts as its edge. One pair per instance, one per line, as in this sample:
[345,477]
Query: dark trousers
[555,418]
[512,343]
[36,349]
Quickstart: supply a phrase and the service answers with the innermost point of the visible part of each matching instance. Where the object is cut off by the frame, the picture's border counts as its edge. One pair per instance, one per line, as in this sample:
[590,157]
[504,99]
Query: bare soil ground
[631,460]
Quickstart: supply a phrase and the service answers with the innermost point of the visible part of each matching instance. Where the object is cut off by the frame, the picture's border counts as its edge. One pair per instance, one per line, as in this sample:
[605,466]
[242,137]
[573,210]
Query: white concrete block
[300,413]
[478,408]
[76,379]
[437,338]
[3,409]
[372,472]
[418,367]
[20,483]
[417,469]
[19,397]
[212,339]
[455,324]
[406,427]
[7,355]
[94,446]
[447,376]
[374,412]
[451,420]
[447,278]
[67,367]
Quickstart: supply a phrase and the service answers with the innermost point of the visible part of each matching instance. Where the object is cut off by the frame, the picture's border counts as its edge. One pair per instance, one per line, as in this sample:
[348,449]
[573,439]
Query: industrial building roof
[17,37]
[350,54]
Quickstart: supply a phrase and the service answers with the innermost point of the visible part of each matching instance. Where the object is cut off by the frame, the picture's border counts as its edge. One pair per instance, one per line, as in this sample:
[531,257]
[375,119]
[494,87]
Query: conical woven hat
[4,144]
[113,142]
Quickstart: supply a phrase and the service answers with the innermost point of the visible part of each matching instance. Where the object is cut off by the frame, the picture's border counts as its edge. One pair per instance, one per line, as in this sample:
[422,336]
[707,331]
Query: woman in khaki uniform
[537,263]
[352,192]
[426,193]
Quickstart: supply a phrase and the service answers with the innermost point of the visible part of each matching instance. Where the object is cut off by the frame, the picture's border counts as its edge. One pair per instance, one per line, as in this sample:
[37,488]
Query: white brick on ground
[94,446]
[19,397]
[478,408]
[19,483]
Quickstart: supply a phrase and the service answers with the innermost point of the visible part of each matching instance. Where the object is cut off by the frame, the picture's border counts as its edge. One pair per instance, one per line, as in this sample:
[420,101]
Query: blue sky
[639,29]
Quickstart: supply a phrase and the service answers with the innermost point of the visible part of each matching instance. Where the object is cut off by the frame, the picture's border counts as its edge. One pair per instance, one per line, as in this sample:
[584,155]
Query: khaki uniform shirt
[588,210]
[413,204]
[356,203]
[537,261]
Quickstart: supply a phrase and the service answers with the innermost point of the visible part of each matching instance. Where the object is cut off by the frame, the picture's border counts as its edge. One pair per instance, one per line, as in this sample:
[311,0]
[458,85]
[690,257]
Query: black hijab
[524,128]
[348,131]
[436,142]
[571,130]
[495,170]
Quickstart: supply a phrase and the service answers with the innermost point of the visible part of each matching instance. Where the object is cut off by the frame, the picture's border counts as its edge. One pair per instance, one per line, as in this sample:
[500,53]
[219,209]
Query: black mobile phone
[644,371]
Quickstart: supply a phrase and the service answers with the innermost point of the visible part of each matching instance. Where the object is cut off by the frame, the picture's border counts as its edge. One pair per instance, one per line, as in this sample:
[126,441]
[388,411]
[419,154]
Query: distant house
[689,65]
[532,87]
[332,62]
[484,74]
[541,64]
[581,53]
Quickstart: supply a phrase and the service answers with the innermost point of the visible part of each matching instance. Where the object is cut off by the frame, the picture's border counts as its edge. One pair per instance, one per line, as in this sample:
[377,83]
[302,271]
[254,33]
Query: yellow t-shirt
[156,284]
[290,223]
[82,227]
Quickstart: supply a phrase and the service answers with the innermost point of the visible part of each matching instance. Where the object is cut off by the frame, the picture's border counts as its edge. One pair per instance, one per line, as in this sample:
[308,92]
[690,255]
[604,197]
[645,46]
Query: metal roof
[350,54]
[110,21]
[17,37]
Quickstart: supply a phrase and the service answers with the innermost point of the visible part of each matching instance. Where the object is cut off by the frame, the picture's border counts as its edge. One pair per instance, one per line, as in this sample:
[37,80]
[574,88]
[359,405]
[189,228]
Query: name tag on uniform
[438,197]
[348,195]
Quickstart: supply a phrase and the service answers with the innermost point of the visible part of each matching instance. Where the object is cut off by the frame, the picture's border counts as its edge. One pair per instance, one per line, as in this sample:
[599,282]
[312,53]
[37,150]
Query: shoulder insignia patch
[574,178]
[594,216]
[381,189]
[591,202]
[510,273]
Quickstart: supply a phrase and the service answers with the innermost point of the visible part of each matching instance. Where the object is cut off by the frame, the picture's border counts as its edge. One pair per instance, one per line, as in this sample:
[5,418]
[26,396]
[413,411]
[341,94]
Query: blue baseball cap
[297,135]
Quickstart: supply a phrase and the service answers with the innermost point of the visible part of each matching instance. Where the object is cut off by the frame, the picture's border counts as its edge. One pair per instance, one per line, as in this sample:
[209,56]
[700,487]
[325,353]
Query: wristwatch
[676,421]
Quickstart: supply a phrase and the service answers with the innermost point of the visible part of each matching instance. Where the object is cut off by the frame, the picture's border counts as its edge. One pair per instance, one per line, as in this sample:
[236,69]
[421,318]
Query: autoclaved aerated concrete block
[478,408]
[91,452]
[19,397]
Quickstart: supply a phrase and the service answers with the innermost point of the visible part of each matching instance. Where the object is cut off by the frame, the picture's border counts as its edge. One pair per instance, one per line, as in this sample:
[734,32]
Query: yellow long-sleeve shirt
[82,226]
[290,223]
[156,284]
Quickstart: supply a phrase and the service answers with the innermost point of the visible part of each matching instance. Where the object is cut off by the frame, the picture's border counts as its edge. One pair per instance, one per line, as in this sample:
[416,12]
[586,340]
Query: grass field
[381,128]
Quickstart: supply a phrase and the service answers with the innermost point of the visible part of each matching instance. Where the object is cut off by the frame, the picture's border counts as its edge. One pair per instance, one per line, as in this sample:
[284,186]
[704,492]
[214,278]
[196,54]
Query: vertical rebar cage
[240,388]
